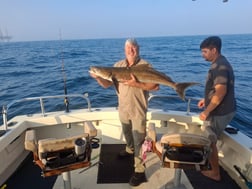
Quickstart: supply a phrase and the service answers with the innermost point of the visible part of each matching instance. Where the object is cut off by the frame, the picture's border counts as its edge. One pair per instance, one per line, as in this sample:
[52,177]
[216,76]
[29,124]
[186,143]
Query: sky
[33,20]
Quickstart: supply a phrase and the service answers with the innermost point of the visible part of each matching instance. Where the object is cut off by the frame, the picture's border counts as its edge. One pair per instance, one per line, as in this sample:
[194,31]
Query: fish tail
[180,88]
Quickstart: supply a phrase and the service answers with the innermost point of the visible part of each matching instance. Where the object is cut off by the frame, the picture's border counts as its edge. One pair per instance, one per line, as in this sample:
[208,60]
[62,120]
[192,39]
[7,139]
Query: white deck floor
[158,177]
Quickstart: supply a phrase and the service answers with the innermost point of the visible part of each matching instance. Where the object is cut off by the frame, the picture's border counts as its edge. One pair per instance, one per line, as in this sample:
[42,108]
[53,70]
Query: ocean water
[30,69]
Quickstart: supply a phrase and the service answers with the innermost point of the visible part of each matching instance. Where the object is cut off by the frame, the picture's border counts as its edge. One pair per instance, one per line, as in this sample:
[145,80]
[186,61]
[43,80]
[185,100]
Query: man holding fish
[133,102]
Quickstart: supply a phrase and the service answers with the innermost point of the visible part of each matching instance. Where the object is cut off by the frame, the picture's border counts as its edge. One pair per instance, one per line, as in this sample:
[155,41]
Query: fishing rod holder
[66,102]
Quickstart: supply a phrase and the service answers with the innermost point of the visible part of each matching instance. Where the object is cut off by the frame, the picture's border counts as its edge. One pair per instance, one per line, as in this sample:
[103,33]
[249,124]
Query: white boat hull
[234,149]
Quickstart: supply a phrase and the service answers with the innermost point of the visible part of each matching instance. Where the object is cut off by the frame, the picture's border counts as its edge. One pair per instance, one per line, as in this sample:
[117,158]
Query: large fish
[142,73]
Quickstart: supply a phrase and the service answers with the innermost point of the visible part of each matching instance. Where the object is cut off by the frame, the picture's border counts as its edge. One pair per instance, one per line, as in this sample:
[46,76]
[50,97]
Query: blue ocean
[39,68]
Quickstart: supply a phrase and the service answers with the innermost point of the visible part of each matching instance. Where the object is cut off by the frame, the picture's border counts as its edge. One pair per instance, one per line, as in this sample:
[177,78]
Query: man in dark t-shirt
[219,102]
[221,73]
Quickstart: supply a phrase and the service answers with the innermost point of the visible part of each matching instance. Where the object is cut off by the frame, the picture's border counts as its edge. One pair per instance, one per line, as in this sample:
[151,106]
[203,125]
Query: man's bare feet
[211,175]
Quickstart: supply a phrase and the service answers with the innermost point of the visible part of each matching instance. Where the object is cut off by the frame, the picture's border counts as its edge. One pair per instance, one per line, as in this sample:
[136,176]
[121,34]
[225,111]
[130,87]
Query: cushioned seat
[181,150]
[55,156]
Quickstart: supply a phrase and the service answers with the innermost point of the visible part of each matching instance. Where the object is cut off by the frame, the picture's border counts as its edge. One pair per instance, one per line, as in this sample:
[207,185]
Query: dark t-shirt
[221,72]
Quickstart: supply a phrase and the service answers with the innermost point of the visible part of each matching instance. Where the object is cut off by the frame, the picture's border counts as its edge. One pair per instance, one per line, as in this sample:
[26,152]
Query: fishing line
[66,101]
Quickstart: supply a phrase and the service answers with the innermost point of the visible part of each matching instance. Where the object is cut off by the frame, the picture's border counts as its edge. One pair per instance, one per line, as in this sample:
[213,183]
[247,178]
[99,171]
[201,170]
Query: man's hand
[201,103]
[203,115]
[131,82]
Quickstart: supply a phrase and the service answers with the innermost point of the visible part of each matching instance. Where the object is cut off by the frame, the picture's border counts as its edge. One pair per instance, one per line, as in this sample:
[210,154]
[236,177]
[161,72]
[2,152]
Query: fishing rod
[66,101]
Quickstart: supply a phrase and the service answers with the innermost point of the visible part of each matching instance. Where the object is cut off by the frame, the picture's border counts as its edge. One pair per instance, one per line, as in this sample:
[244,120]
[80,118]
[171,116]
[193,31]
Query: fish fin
[116,84]
[142,66]
[180,88]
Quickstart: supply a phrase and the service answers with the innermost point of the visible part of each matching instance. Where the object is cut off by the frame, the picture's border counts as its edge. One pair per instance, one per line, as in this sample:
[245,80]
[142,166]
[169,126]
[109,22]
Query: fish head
[101,72]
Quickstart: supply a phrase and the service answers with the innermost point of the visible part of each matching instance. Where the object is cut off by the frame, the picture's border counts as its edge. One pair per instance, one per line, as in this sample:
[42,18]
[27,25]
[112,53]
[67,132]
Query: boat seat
[55,156]
[181,150]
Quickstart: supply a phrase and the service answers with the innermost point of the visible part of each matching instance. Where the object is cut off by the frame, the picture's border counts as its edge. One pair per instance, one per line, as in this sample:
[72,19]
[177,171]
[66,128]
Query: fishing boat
[77,148]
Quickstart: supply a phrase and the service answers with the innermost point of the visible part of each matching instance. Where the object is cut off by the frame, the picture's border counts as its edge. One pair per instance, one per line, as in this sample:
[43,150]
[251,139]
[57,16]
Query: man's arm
[220,92]
[103,82]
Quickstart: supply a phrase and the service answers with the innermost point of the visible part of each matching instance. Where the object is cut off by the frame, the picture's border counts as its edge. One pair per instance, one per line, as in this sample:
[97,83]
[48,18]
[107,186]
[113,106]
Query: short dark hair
[212,42]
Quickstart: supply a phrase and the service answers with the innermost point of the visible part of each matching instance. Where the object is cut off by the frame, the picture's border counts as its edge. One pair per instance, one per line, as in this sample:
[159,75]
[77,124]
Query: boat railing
[85,97]
[42,107]
[188,100]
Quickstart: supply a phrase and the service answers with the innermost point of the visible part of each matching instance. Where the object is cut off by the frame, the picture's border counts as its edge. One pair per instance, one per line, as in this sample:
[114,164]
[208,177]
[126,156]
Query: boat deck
[28,176]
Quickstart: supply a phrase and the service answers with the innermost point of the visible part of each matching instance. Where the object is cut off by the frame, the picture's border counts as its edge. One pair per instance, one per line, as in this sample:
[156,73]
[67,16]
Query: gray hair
[132,41]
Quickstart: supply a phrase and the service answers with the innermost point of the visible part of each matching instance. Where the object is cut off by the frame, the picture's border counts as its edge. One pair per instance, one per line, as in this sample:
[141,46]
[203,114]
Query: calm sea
[29,69]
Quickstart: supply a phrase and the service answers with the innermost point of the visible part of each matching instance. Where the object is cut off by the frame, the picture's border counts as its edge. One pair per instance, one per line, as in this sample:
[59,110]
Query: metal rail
[41,99]
[187,99]
[85,97]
